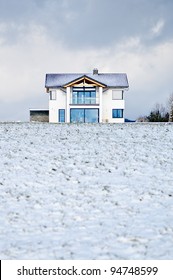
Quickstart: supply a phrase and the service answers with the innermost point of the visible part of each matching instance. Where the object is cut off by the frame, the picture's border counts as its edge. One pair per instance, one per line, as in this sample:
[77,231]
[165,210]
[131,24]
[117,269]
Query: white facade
[60,102]
[86,100]
[111,104]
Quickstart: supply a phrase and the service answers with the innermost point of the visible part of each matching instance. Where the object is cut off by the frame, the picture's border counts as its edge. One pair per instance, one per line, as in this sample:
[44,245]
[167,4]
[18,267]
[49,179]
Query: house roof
[118,80]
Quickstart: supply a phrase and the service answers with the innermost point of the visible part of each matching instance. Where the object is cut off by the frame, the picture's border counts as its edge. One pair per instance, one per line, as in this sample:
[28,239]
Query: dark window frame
[117,115]
[84,91]
[59,115]
[72,109]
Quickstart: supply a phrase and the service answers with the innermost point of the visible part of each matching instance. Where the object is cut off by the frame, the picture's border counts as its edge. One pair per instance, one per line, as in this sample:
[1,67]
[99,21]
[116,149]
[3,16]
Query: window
[53,95]
[84,115]
[61,115]
[117,113]
[84,95]
[117,95]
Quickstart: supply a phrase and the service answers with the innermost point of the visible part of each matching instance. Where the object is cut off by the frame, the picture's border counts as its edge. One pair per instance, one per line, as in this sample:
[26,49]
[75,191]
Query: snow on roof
[110,80]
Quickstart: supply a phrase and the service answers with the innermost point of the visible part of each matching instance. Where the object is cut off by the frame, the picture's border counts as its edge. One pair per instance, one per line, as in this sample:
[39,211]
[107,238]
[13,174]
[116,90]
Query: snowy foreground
[86,191]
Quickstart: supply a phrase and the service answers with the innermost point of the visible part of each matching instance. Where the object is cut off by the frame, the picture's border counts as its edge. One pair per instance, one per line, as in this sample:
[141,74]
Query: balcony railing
[85,100]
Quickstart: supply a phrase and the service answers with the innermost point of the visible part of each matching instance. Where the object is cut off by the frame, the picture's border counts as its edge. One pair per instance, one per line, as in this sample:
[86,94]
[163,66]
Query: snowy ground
[86,191]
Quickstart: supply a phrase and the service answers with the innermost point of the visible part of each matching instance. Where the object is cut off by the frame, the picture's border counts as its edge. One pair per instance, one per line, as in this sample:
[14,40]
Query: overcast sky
[54,36]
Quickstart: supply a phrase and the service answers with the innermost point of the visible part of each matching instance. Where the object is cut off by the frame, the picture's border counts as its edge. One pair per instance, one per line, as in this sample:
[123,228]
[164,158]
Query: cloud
[158,27]
[87,23]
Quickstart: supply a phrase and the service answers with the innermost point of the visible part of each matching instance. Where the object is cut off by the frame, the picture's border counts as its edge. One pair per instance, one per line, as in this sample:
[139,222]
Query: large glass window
[61,115]
[91,115]
[117,113]
[84,115]
[77,115]
[84,95]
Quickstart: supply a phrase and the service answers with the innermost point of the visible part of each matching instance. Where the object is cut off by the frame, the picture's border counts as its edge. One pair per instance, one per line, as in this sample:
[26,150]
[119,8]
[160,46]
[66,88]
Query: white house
[86,98]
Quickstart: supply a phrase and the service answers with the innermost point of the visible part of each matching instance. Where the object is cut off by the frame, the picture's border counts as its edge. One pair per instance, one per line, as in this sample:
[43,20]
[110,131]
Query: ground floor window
[117,113]
[61,117]
[84,115]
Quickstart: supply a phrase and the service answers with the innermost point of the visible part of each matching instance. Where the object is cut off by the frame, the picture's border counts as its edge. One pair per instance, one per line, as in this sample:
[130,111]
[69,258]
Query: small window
[117,113]
[61,115]
[53,95]
[117,95]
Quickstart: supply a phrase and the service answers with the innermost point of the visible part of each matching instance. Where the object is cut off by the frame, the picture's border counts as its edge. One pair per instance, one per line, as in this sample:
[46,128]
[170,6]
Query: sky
[66,36]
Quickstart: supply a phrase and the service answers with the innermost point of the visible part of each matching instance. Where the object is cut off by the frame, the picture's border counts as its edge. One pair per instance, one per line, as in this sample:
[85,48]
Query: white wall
[55,105]
[109,104]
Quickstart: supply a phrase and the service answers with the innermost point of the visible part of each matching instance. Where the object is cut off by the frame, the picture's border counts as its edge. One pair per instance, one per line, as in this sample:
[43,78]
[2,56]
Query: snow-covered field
[86,191]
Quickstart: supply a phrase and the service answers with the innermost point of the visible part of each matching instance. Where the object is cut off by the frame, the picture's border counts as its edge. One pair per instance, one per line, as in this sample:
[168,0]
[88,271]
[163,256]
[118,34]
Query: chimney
[95,71]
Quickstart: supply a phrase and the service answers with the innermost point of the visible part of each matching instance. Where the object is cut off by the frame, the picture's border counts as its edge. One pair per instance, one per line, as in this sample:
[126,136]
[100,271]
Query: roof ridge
[115,73]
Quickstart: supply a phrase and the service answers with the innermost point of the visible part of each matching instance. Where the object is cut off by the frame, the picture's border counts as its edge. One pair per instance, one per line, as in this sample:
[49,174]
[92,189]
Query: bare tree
[158,114]
[170,107]
[161,109]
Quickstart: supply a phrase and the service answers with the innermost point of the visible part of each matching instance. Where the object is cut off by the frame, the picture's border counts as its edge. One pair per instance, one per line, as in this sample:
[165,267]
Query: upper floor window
[53,95]
[84,95]
[117,95]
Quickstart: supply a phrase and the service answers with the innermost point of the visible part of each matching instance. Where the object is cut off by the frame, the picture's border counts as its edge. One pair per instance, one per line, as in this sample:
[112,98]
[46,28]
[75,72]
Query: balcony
[85,101]
[84,96]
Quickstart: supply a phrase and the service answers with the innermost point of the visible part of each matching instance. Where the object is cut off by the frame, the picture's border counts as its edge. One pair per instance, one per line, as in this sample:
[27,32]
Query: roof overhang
[86,80]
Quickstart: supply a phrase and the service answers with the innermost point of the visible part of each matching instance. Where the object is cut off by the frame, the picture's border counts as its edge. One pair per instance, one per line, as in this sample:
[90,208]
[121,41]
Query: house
[86,98]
